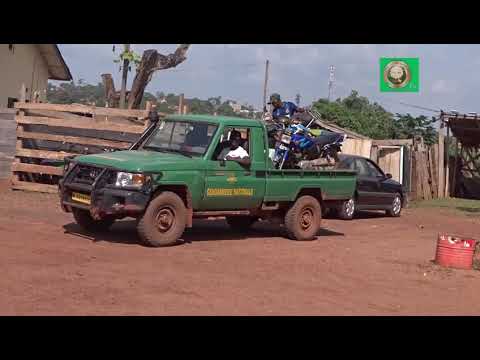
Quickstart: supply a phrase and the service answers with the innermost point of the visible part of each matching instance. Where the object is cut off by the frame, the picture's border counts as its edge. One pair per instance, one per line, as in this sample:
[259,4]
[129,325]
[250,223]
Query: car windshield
[184,137]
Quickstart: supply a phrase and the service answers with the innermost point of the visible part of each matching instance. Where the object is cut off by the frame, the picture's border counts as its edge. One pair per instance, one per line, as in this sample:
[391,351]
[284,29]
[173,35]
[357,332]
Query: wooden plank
[73,139]
[55,114]
[84,109]
[29,186]
[418,176]
[434,157]
[38,169]
[393,142]
[440,162]
[427,191]
[42,154]
[415,187]
[374,153]
[87,123]
[433,180]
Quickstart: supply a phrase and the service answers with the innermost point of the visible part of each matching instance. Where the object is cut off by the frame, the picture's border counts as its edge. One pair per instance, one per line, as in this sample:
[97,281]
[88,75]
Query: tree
[407,127]
[358,114]
[150,62]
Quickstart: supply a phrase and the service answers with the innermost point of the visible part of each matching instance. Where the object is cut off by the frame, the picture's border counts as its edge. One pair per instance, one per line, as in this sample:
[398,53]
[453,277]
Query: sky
[449,74]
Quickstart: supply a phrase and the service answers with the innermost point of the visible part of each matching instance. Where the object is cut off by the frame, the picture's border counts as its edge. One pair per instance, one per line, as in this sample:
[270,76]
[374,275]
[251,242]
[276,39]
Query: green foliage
[82,93]
[357,113]
[407,126]
[130,55]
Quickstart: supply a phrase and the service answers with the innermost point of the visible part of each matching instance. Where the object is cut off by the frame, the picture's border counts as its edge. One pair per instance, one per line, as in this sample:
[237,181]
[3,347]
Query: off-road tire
[345,212]
[241,223]
[396,207]
[303,219]
[85,220]
[164,221]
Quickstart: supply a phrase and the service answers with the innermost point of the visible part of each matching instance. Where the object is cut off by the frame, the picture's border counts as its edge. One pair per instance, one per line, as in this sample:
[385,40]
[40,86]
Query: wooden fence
[7,141]
[49,132]
[429,178]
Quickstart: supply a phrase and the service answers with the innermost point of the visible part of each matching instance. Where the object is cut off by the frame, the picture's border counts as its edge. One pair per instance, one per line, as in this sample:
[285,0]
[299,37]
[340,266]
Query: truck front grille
[84,174]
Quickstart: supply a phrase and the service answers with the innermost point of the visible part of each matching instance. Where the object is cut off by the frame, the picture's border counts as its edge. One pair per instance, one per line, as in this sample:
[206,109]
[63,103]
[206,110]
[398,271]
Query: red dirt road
[369,266]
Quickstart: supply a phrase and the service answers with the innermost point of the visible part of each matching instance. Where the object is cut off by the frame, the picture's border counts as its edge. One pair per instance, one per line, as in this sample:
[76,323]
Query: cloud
[442,87]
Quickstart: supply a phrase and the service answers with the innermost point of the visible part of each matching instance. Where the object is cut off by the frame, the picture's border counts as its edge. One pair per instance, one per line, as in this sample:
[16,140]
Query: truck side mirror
[388,176]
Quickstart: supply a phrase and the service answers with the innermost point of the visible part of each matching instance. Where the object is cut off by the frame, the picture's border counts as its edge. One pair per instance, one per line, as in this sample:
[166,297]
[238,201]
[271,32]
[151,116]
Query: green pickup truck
[179,172]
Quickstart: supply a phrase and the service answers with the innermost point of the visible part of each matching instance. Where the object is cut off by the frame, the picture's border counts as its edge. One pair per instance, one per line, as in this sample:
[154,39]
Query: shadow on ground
[124,232]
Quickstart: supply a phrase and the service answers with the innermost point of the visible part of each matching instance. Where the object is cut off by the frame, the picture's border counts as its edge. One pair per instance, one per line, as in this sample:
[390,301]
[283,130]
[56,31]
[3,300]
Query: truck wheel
[85,220]
[347,210]
[302,220]
[396,207]
[241,223]
[164,221]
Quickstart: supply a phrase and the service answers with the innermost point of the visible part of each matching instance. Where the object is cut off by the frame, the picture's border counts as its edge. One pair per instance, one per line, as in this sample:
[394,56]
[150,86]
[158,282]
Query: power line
[420,107]
[409,105]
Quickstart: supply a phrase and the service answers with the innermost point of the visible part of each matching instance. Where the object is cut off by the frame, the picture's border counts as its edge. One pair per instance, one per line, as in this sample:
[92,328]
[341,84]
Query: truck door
[229,185]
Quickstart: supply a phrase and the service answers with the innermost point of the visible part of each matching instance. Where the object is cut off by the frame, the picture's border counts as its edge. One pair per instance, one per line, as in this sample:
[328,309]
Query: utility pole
[331,82]
[124,78]
[265,87]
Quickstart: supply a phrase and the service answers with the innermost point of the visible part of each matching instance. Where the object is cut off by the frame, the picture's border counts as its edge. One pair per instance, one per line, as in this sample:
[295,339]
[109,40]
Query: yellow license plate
[81,198]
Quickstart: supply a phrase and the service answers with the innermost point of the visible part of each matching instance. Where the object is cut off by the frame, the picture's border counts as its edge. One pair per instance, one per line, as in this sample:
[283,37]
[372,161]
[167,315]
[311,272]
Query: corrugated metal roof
[57,68]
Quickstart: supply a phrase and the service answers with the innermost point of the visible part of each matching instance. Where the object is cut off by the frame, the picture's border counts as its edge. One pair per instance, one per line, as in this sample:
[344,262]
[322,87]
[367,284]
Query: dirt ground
[373,265]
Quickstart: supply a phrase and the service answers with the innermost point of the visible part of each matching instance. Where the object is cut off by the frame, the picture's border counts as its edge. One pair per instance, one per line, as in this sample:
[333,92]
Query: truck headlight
[125,179]
[67,166]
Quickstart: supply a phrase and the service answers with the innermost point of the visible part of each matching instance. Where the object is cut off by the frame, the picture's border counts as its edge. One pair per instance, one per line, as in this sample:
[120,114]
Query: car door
[367,185]
[383,196]
[231,186]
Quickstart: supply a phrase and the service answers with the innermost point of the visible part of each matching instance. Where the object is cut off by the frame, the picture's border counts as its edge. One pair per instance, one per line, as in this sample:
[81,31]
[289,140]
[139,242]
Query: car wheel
[164,221]
[303,219]
[347,210]
[396,207]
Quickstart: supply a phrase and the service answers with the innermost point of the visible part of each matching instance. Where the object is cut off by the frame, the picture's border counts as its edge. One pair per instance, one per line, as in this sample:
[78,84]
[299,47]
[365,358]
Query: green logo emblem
[399,74]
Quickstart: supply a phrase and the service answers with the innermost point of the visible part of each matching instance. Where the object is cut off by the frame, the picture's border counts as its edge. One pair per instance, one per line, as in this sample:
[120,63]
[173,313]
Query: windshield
[184,137]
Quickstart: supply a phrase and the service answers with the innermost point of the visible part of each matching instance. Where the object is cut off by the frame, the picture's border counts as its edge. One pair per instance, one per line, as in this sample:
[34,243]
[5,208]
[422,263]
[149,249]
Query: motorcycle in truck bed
[176,172]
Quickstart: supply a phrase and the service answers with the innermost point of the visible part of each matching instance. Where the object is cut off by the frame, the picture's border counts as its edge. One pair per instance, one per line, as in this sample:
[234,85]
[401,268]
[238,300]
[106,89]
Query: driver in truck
[236,152]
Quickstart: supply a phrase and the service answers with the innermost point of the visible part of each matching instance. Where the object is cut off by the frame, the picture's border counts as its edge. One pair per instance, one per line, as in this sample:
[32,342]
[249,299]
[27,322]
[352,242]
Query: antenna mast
[331,82]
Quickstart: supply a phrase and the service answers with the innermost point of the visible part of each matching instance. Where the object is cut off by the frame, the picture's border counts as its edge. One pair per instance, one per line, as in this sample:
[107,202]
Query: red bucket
[455,252]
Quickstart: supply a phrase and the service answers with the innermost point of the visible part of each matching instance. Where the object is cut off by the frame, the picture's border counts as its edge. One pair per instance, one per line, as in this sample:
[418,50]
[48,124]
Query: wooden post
[441,165]
[23,96]
[447,162]
[123,90]
[374,153]
[265,87]
[455,169]
[431,163]
[180,104]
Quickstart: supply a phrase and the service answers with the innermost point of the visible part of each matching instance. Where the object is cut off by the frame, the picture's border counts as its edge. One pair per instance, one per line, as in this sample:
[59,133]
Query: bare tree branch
[151,62]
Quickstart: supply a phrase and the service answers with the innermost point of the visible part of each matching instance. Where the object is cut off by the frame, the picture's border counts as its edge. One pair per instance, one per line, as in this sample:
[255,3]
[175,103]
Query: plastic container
[455,251]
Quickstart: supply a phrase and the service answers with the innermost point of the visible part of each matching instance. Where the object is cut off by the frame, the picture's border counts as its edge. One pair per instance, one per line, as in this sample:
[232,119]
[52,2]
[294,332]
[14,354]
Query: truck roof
[229,120]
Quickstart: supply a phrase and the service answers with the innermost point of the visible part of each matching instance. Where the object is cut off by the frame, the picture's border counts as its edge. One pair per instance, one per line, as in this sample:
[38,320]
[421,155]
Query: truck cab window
[191,138]
[224,145]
